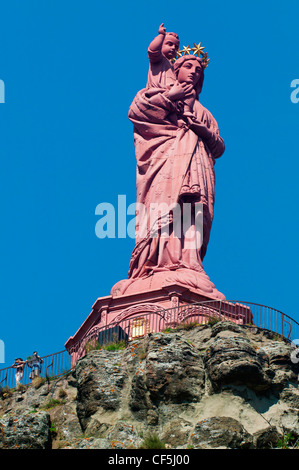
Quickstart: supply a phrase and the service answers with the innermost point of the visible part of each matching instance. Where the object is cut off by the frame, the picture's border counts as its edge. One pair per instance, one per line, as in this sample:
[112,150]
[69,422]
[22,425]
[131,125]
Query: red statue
[176,143]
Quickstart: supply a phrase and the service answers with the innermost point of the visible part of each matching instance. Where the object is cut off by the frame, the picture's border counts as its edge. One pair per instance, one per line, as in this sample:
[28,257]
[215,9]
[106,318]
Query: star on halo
[205,58]
[198,49]
[186,50]
[178,55]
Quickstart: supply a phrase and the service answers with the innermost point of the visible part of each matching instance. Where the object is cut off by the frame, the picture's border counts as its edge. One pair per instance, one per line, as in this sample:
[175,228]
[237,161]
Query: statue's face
[170,46]
[190,72]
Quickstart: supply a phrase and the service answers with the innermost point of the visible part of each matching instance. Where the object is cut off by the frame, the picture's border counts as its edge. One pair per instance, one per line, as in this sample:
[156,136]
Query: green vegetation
[92,346]
[212,321]
[113,346]
[277,337]
[152,441]
[168,330]
[53,431]
[188,326]
[38,382]
[52,403]
[286,442]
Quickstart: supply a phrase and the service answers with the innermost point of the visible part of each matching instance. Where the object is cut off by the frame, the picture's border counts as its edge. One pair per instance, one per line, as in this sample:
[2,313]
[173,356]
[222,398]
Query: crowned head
[190,69]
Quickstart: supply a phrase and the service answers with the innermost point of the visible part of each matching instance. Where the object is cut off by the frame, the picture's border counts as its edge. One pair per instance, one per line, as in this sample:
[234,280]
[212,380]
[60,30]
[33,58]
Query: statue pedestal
[138,312]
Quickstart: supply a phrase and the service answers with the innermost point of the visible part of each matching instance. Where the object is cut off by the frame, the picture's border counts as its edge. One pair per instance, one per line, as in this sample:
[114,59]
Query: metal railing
[139,325]
[54,365]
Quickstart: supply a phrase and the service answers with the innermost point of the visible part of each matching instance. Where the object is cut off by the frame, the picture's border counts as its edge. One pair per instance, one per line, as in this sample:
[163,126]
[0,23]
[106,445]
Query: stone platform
[152,310]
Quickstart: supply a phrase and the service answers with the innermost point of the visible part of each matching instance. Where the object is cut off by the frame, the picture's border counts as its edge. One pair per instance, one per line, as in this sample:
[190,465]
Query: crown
[197,50]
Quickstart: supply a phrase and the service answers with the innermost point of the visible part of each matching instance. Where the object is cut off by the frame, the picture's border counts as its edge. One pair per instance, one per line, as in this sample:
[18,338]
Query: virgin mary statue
[176,143]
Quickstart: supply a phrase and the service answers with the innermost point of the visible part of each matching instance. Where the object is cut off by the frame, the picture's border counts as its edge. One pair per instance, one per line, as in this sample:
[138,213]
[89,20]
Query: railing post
[220,308]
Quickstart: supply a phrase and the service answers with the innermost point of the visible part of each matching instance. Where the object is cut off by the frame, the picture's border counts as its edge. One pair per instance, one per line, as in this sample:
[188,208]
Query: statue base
[191,279]
[162,300]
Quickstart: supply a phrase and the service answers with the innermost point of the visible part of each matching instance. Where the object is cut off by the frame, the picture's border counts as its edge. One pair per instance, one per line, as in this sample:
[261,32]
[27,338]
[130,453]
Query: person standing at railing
[19,365]
[35,362]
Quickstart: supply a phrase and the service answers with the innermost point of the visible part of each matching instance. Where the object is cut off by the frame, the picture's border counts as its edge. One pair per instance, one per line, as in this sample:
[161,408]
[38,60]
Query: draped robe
[173,163]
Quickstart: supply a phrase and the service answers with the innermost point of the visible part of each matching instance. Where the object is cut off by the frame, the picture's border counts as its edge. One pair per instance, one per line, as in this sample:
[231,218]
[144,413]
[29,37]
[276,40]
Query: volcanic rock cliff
[210,386]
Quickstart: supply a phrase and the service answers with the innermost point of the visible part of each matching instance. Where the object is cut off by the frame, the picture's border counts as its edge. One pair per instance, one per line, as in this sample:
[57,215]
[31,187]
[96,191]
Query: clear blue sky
[71,70]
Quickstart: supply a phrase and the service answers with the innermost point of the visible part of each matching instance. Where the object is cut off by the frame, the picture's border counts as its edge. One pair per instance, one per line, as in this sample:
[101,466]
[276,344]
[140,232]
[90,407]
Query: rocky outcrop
[27,431]
[235,360]
[172,372]
[220,432]
[221,386]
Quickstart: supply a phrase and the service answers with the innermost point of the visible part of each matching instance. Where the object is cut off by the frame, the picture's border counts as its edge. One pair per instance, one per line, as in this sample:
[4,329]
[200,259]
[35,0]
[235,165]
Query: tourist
[19,365]
[34,362]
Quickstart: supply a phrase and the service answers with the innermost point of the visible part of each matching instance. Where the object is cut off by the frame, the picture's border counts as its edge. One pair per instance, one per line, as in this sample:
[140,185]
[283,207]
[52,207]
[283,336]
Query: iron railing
[139,325]
[54,365]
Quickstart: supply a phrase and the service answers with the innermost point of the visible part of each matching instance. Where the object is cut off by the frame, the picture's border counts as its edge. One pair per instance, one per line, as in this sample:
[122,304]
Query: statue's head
[190,69]
[170,45]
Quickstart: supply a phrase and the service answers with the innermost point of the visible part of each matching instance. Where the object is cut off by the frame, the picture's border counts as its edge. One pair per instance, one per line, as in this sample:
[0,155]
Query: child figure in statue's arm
[161,51]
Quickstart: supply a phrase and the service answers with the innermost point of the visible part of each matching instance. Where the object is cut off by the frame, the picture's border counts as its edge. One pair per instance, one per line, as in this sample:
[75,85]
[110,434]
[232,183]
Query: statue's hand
[199,128]
[180,91]
[162,30]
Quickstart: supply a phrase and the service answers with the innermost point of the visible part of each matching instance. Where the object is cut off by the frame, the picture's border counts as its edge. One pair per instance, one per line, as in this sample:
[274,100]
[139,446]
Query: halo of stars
[198,50]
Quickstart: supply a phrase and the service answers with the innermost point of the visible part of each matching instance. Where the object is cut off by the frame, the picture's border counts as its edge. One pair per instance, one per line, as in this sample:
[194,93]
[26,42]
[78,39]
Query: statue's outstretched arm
[154,49]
